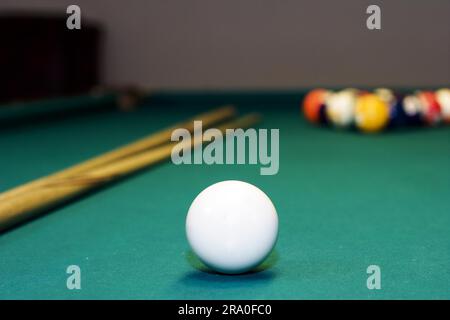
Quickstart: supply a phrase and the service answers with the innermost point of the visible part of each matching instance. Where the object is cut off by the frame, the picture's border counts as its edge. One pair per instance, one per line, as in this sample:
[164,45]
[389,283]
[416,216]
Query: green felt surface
[345,201]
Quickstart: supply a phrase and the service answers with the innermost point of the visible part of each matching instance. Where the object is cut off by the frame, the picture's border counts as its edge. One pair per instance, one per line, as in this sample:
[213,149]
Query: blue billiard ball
[397,116]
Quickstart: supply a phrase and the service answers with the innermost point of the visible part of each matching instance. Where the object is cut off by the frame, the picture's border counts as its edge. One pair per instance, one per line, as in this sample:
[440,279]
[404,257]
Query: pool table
[345,201]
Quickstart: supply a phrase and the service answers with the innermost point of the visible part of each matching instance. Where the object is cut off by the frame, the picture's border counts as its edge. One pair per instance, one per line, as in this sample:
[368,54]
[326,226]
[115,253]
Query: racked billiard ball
[314,104]
[397,117]
[431,110]
[385,94]
[371,113]
[340,107]
[412,108]
[443,98]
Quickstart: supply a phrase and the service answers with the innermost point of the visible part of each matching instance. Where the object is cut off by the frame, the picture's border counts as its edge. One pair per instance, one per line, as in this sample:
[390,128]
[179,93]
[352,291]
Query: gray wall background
[266,43]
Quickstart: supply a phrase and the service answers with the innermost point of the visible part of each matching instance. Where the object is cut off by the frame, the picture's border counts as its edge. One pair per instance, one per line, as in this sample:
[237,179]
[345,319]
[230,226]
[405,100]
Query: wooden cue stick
[54,191]
[208,118]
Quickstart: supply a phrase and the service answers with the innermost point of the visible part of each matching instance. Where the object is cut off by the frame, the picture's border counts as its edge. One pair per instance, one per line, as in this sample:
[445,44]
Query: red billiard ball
[314,104]
[431,112]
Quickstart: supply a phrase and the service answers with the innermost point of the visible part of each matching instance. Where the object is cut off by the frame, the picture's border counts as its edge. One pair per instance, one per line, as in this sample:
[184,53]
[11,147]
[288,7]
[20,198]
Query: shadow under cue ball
[232,226]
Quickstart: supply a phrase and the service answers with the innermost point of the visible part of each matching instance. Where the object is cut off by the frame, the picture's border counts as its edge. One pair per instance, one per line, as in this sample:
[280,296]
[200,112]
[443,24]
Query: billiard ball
[431,112]
[371,113]
[397,116]
[388,96]
[412,108]
[340,107]
[232,226]
[443,98]
[313,105]
[385,94]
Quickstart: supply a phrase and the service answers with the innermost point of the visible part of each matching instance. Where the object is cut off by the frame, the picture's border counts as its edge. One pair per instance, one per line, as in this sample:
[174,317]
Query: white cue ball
[232,226]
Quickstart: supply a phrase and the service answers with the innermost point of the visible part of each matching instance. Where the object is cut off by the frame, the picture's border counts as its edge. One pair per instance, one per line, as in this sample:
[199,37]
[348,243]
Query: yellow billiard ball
[371,113]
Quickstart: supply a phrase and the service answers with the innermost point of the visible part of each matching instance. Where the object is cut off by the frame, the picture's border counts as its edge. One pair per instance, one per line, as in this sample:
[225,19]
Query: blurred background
[204,44]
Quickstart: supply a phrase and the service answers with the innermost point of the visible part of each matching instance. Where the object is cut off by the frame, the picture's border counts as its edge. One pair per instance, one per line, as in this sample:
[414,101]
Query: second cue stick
[57,191]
